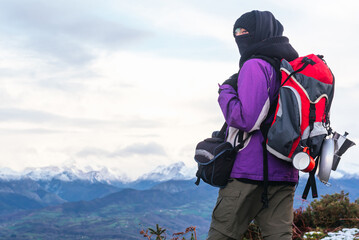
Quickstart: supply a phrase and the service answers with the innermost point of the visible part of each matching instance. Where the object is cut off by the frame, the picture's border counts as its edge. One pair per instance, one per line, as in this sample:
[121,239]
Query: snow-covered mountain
[9,174]
[65,174]
[176,171]
[48,186]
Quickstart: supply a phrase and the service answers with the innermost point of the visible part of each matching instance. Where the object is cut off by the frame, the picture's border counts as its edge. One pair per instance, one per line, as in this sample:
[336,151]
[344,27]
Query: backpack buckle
[308,61]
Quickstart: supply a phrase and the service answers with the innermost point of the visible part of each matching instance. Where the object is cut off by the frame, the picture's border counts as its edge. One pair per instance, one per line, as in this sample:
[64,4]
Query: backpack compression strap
[311,184]
[311,179]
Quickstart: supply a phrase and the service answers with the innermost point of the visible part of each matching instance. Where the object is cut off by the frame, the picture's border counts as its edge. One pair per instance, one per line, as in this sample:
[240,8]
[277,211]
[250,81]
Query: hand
[231,81]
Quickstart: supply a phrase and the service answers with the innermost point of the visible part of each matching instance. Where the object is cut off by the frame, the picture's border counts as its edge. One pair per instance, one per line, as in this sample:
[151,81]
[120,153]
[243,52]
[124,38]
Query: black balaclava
[265,37]
[248,22]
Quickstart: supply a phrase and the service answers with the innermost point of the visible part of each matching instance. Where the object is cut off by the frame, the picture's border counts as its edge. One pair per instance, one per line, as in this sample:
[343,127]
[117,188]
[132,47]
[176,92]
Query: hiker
[245,100]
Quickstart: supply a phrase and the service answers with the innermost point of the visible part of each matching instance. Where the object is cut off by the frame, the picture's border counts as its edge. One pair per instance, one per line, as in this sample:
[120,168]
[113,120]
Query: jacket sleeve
[249,106]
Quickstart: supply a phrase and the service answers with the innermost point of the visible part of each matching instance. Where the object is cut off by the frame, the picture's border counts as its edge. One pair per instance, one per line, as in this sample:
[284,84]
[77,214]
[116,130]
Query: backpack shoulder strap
[274,62]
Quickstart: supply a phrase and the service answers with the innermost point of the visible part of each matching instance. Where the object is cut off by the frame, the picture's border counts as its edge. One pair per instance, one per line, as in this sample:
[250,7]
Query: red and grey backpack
[302,112]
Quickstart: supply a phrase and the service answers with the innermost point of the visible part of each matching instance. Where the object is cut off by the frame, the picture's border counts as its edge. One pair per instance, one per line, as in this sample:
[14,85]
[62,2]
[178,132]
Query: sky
[132,85]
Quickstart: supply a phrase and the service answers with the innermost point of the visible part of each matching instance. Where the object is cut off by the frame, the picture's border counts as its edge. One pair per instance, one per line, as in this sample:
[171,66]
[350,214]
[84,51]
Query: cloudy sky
[130,85]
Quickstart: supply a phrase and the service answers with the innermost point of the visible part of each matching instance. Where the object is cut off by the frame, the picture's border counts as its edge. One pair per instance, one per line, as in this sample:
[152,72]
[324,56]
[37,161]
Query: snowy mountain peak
[66,174]
[176,171]
[9,174]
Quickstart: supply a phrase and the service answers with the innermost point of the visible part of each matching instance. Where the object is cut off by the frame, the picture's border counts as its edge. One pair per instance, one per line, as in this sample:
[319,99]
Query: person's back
[245,103]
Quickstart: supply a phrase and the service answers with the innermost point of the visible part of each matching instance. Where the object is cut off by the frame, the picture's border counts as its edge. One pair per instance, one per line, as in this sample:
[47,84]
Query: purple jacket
[245,110]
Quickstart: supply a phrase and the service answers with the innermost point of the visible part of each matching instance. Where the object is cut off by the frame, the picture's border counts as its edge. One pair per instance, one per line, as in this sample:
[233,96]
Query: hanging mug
[303,161]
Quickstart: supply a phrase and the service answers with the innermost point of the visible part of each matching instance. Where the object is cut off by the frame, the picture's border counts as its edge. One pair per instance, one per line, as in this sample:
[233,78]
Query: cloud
[181,17]
[12,115]
[91,151]
[63,31]
[142,149]
[140,122]
[29,131]
[47,122]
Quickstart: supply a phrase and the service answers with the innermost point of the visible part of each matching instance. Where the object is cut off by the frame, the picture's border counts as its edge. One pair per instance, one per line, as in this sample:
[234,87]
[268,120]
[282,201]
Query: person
[245,100]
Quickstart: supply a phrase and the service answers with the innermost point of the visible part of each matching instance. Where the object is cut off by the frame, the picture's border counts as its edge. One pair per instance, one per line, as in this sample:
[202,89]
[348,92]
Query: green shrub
[332,211]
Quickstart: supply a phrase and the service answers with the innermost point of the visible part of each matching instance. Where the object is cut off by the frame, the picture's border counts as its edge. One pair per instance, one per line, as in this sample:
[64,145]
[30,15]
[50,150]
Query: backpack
[302,112]
[301,121]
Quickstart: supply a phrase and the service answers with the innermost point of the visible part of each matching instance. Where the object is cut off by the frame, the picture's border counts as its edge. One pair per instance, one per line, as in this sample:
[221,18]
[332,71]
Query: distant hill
[29,194]
[54,204]
[117,216]
[174,204]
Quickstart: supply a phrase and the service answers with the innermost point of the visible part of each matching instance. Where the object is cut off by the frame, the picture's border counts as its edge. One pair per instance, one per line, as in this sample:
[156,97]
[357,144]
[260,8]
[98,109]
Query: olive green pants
[239,203]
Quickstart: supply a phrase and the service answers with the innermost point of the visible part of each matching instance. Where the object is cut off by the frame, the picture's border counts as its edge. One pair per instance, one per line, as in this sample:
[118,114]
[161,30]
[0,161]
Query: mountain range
[175,171]
[67,206]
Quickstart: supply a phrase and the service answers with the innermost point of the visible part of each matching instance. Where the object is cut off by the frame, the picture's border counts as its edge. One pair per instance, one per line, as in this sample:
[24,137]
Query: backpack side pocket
[284,134]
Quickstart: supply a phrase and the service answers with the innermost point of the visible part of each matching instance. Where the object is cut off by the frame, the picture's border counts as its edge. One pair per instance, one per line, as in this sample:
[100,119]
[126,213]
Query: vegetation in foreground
[329,214]
[160,234]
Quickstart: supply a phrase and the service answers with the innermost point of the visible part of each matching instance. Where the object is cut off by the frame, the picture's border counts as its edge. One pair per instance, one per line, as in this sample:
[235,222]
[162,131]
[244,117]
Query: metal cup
[303,161]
